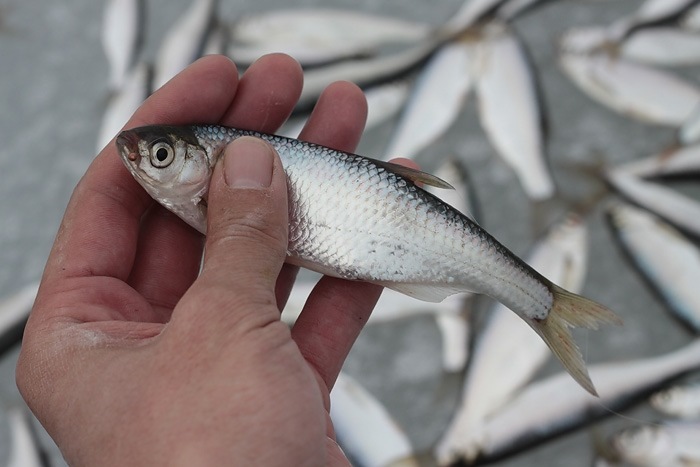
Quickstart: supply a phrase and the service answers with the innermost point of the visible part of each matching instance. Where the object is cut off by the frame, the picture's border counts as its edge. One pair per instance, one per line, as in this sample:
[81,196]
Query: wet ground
[52,89]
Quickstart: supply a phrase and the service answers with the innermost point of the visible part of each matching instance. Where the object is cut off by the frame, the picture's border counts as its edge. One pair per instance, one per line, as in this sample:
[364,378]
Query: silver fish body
[357,218]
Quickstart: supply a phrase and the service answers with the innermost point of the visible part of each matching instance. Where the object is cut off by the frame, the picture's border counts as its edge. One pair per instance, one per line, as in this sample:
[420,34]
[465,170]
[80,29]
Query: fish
[662,46]
[365,429]
[358,218]
[14,312]
[669,444]
[510,108]
[25,450]
[513,9]
[680,210]
[651,14]
[437,97]
[318,36]
[681,161]
[553,406]
[124,102]
[638,91]
[678,401]
[184,41]
[506,354]
[664,256]
[365,71]
[122,37]
[470,14]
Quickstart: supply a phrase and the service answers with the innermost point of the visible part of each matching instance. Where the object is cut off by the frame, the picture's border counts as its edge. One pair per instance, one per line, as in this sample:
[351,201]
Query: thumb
[247,221]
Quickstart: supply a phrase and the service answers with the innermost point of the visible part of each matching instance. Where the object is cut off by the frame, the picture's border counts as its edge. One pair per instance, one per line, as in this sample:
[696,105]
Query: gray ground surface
[53,84]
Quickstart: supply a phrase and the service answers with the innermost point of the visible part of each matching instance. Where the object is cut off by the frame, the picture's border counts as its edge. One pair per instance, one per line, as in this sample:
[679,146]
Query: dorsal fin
[416,176]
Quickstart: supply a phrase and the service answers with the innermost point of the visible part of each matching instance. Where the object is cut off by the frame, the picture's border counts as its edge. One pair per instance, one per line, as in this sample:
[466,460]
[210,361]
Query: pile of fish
[421,76]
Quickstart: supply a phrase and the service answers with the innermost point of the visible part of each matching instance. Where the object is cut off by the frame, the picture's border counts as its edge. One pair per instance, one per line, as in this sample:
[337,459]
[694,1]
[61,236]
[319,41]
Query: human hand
[131,358]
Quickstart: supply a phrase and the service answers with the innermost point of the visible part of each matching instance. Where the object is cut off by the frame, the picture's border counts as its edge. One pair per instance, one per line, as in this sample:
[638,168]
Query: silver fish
[122,37]
[364,71]
[651,13]
[124,103]
[470,14]
[357,218]
[669,260]
[365,429]
[662,46]
[681,161]
[510,108]
[506,354]
[437,97]
[680,210]
[671,444]
[185,41]
[527,420]
[317,36]
[679,401]
[633,89]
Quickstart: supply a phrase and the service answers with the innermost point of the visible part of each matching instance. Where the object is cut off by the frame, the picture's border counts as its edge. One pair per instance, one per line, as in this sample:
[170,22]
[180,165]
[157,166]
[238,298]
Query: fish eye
[162,155]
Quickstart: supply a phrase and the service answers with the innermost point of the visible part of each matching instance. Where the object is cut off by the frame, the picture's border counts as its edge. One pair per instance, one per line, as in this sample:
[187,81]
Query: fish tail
[571,310]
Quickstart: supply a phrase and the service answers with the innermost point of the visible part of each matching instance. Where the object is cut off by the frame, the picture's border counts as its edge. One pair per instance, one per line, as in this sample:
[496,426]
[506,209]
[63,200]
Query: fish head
[646,443]
[171,165]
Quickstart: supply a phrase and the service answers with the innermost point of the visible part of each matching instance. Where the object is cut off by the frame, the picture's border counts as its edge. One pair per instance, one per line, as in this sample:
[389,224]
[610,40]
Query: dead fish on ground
[662,46]
[682,161]
[666,258]
[365,71]
[651,14]
[436,99]
[680,210]
[123,103]
[318,36]
[511,110]
[527,421]
[365,429]
[679,401]
[632,89]
[122,37]
[507,354]
[669,444]
[362,219]
[185,41]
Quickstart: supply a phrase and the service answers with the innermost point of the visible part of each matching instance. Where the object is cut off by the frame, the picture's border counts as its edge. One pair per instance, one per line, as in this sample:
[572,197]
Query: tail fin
[571,310]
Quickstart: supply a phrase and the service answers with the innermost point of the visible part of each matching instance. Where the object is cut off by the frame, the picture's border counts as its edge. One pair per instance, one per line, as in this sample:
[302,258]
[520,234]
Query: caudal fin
[571,310]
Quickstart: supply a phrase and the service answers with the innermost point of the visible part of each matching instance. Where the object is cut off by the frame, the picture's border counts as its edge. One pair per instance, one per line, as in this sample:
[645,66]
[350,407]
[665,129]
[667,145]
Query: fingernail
[248,163]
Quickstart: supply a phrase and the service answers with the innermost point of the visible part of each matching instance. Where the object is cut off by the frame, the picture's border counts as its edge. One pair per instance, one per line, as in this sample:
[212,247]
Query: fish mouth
[128,145]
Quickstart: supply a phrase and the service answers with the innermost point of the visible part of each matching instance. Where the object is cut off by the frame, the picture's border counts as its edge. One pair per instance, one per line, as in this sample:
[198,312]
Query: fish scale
[358,218]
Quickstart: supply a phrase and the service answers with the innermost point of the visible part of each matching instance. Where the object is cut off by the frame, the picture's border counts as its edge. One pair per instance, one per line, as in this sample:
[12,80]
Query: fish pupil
[161,154]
